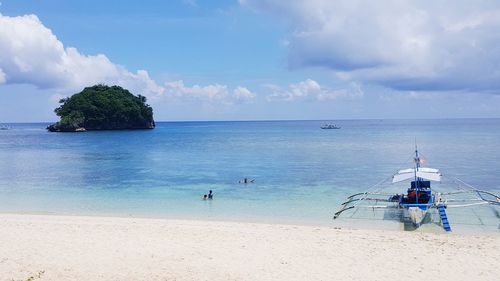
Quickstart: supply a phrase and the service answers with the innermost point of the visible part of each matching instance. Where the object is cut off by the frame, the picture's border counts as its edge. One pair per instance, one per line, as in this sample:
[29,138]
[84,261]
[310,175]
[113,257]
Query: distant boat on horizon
[329,126]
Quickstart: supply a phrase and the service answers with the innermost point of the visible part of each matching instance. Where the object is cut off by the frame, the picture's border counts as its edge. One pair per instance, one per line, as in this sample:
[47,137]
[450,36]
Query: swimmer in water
[246,180]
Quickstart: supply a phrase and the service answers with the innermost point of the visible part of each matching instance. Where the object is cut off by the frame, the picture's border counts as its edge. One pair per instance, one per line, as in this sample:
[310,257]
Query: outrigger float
[419,198]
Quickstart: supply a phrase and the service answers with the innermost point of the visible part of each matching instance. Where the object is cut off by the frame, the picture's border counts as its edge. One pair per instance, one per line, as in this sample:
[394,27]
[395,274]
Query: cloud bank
[209,93]
[310,90]
[31,54]
[405,45]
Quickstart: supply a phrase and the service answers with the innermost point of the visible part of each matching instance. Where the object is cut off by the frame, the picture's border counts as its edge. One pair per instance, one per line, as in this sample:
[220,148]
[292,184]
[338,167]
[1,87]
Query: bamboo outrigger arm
[494,202]
[344,208]
[473,191]
[339,212]
[467,205]
[365,199]
[479,193]
[368,193]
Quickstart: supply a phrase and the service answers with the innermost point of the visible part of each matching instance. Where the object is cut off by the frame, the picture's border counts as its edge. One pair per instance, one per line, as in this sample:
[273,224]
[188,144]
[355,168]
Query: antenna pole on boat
[417,166]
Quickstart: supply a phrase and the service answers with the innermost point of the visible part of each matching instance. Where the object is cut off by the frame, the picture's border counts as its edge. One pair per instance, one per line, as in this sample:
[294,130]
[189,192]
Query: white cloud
[305,88]
[210,93]
[2,76]
[353,91]
[407,45]
[31,54]
[302,90]
[311,90]
[243,94]
[413,95]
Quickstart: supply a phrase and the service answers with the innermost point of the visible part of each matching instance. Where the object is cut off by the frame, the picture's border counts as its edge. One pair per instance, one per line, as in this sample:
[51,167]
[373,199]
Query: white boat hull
[416,215]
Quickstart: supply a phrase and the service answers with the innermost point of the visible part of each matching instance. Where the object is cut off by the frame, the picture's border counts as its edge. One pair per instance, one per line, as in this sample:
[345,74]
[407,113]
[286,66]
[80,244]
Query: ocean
[301,173]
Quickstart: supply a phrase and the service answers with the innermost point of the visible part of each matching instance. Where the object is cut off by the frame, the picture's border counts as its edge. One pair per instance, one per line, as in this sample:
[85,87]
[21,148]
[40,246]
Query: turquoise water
[301,172]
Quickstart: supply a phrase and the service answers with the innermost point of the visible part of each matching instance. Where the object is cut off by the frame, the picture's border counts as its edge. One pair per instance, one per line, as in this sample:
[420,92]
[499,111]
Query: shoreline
[58,247]
[347,223]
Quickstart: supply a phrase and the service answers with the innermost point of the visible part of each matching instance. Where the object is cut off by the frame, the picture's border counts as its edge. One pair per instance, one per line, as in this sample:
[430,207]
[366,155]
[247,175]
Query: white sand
[98,248]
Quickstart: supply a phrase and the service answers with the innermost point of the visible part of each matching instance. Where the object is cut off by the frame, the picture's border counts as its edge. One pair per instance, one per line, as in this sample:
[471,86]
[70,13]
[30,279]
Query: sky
[255,59]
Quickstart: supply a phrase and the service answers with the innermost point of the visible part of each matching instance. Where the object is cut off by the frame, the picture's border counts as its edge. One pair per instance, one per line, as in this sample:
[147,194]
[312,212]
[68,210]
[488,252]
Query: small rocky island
[102,107]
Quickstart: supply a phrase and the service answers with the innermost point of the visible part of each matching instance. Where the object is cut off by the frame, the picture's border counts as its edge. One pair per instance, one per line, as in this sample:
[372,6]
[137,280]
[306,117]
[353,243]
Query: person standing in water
[210,194]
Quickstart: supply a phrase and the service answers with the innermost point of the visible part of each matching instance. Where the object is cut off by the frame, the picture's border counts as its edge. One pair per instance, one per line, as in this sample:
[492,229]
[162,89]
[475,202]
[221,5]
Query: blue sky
[255,59]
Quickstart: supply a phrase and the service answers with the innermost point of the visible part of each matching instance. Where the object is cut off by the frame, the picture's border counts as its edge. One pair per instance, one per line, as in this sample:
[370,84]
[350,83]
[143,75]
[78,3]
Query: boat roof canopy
[424,173]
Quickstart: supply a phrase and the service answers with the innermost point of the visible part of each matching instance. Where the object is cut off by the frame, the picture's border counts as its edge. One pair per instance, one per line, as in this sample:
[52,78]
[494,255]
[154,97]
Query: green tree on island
[102,107]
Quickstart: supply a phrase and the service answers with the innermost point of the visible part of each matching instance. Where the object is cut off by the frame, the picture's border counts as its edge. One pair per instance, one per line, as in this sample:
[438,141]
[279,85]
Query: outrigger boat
[419,198]
[329,126]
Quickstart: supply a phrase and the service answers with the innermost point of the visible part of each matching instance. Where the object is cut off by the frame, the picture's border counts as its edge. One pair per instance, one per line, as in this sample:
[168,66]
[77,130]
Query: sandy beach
[46,247]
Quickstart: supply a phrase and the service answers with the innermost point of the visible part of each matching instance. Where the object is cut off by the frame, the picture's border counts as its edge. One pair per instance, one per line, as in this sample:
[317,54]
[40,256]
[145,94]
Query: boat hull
[417,215]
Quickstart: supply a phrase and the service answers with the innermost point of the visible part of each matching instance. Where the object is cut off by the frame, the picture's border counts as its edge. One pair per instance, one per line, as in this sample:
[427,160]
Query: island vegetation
[102,107]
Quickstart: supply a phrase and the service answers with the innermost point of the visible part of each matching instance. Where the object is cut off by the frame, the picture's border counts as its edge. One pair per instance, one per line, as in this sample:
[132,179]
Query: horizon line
[282,120]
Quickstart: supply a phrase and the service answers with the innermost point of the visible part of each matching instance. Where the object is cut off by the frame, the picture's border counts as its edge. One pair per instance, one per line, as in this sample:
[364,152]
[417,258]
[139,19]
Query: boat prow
[416,215]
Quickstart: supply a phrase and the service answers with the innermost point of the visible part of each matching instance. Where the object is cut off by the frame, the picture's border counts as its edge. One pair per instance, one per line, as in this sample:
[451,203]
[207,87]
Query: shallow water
[301,172]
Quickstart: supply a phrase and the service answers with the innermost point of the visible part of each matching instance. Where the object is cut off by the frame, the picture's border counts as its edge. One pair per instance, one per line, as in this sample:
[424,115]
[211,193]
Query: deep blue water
[301,172]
